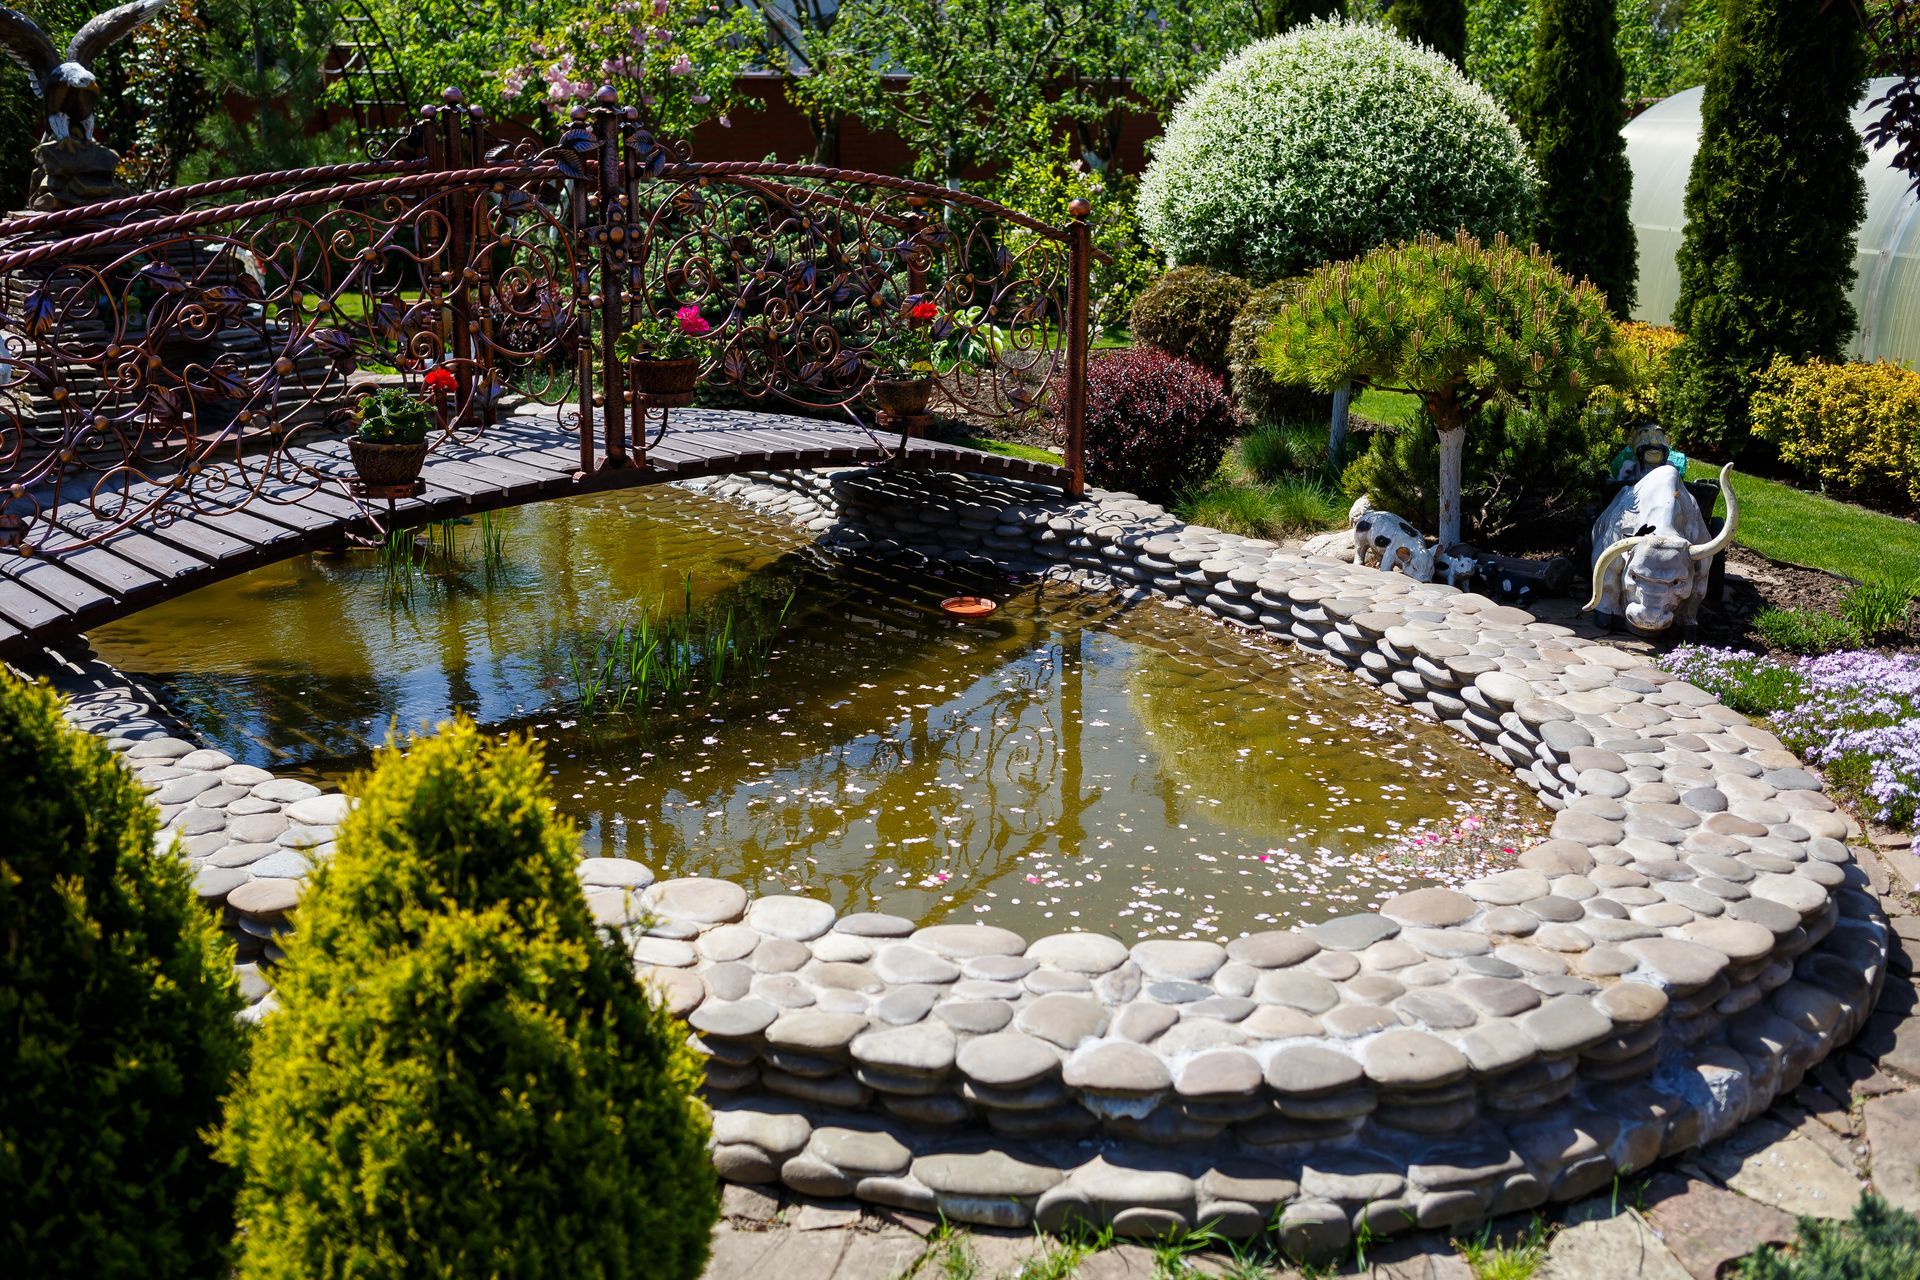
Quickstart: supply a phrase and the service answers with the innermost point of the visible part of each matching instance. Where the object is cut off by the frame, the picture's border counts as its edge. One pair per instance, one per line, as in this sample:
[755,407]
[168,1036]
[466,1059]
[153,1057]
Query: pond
[1075,761]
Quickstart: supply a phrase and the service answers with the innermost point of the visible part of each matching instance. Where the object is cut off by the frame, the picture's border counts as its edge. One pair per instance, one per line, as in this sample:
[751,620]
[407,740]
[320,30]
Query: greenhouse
[1660,146]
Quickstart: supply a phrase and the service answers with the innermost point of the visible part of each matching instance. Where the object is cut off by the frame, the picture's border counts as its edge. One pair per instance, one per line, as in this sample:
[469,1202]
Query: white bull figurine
[1653,552]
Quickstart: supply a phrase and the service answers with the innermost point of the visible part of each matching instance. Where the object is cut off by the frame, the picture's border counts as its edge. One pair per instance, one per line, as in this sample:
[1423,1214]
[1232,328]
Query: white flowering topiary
[1324,143]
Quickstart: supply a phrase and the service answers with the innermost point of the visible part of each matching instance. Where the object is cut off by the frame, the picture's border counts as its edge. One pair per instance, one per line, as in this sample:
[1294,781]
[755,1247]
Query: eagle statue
[66,88]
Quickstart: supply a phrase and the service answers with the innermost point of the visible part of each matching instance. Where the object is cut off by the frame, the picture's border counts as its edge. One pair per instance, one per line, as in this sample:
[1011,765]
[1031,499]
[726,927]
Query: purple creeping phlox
[1854,714]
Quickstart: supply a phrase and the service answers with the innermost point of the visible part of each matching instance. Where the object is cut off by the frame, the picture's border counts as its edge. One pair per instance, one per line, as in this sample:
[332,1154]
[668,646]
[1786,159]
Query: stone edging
[1692,937]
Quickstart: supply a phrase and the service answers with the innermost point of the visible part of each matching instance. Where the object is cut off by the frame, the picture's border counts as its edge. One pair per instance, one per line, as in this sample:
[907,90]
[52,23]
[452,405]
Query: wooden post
[1079,340]
[613,382]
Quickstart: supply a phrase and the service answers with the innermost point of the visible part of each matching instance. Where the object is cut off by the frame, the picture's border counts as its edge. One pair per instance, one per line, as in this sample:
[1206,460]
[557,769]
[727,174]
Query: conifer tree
[1441,25]
[1571,113]
[1773,202]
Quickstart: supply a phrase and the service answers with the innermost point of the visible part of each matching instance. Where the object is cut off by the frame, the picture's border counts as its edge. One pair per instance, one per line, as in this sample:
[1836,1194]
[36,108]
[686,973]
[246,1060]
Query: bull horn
[1605,560]
[1724,539]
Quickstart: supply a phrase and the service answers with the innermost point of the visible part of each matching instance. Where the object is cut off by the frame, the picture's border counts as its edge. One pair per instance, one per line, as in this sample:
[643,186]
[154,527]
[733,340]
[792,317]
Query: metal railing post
[1079,340]
[456,275]
[609,215]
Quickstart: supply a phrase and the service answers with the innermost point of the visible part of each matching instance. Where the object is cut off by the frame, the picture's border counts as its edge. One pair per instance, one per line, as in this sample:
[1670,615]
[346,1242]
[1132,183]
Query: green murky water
[1071,763]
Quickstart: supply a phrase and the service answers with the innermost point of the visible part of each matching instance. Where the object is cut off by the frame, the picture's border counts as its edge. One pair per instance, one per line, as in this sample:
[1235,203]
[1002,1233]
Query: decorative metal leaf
[335,344]
[39,313]
[386,320]
[581,140]
[162,276]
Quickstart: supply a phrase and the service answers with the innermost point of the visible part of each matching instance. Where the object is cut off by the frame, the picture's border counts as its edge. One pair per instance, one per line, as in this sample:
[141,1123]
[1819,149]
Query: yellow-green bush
[1644,351]
[117,1031]
[464,1078]
[1854,427]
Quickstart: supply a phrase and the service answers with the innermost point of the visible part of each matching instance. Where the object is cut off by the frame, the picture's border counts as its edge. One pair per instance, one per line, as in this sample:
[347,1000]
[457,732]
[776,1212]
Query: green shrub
[464,1078]
[1807,630]
[1878,1243]
[1528,470]
[1854,427]
[1288,507]
[1262,397]
[1041,183]
[117,999]
[1326,142]
[1293,449]
[1189,312]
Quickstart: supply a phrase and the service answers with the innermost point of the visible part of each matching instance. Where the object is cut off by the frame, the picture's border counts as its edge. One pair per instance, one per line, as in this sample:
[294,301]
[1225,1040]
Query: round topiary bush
[1157,425]
[1262,398]
[464,1077]
[1189,312]
[118,998]
[1323,143]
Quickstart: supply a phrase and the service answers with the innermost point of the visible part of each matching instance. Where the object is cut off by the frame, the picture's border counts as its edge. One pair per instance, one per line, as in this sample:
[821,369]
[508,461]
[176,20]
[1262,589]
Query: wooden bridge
[526,457]
[179,370]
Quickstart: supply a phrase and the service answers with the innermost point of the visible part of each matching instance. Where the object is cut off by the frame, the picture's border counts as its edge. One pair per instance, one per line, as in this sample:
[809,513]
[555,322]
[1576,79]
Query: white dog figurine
[1384,539]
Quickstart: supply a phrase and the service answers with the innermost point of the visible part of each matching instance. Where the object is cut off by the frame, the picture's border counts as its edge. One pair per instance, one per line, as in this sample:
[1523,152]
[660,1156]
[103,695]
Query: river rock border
[1690,939]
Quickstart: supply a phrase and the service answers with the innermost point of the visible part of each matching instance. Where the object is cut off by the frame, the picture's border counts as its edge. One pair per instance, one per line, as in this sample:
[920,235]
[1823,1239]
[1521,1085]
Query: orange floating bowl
[968,606]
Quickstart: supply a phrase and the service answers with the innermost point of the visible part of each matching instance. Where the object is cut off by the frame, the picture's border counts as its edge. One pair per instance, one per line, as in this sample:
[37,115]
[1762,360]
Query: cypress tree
[1773,202]
[1441,25]
[1571,113]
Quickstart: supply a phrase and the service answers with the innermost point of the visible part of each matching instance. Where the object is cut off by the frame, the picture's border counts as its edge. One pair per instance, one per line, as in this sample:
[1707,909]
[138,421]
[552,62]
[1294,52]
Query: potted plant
[665,352]
[902,362]
[389,442]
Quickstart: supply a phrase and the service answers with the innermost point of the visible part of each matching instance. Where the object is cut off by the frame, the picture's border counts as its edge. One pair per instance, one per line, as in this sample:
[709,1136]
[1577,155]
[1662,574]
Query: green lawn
[1784,523]
[1007,448]
[1395,408]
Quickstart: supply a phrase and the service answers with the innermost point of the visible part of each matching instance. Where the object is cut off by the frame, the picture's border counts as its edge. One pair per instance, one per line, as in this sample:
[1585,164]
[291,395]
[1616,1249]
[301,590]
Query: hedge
[1854,427]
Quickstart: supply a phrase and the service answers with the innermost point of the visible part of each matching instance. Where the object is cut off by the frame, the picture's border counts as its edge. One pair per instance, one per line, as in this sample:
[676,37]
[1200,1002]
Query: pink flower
[726,122]
[682,66]
[660,8]
[692,323]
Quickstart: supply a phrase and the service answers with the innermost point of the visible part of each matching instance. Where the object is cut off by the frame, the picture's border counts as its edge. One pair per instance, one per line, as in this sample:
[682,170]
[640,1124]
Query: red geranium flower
[440,379]
[924,311]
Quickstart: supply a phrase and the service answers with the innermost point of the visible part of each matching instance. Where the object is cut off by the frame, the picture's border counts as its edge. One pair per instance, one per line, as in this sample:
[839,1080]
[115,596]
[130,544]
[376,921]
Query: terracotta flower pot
[665,378]
[903,397]
[968,607]
[386,465]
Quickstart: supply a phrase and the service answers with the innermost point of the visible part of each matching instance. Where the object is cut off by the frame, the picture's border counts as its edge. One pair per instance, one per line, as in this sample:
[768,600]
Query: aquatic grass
[661,658]
[1855,713]
[493,542]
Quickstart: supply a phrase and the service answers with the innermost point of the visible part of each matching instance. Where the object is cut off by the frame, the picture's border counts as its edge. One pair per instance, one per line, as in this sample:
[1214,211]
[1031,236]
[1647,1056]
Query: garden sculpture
[71,169]
[1458,569]
[1649,449]
[1384,539]
[1654,553]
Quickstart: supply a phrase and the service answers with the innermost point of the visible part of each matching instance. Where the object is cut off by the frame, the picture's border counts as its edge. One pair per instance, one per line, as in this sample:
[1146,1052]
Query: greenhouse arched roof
[1886,288]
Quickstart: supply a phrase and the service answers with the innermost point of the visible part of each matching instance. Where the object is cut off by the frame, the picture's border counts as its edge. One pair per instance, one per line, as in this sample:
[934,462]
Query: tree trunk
[826,141]
[1453,442]
[1337,428]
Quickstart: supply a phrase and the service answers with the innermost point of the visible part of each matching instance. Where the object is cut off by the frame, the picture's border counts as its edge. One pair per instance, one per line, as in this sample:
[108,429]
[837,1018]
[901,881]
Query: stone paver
[1768,1162]
[1617,1248]
[1706,1228]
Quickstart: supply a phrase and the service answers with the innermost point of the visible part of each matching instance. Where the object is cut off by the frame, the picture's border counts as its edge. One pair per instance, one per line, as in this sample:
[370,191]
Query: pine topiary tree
[1460,325]
[464,1077]
[1773,201]
[117,999]
[1441,25]
[1571,113]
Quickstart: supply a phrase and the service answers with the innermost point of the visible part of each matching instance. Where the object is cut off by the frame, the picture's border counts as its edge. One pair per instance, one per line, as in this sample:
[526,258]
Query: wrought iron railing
[172,351]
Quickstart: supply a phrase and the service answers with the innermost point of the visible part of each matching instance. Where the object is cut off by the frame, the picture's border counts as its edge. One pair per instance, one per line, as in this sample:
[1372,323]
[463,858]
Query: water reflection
[1069,763]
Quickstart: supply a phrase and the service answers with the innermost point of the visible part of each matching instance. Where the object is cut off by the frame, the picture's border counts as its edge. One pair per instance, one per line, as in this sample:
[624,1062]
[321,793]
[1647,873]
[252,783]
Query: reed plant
[660,658]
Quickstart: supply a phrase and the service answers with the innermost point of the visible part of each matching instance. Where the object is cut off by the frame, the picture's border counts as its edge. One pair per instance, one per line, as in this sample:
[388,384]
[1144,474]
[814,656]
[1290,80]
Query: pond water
[1073,762]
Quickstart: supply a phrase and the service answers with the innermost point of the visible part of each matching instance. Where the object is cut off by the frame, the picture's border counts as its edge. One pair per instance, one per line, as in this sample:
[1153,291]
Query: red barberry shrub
[1157,425]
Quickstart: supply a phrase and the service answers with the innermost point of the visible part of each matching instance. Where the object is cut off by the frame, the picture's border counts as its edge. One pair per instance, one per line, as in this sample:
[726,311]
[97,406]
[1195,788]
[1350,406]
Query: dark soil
[1755,583]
